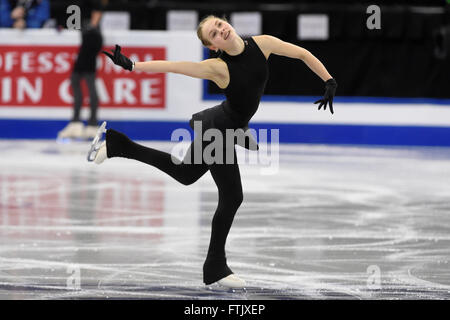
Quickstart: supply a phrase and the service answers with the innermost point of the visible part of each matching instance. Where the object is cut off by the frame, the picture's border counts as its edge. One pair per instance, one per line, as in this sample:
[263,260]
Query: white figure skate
[232,281]
[97,152]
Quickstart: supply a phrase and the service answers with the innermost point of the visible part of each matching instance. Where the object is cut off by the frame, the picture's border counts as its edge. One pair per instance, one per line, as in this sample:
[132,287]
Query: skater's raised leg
[185,172]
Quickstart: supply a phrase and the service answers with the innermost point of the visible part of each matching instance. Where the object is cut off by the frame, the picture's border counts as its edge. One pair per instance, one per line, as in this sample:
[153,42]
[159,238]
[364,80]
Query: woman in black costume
[241,71]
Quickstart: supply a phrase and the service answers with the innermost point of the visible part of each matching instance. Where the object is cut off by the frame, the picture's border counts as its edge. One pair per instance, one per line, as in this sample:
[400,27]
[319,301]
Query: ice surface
[332,222]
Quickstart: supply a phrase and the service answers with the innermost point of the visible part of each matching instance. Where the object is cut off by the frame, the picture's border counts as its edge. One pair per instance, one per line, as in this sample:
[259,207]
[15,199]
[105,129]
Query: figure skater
[241,71]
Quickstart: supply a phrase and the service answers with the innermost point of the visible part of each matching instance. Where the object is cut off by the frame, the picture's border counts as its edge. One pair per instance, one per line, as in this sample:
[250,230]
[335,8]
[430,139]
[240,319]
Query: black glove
[119,58]
[330,90]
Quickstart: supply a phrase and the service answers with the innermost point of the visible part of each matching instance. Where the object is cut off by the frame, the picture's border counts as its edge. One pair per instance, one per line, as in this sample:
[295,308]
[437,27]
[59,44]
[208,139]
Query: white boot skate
[74,130]
[232,281]
[97,152]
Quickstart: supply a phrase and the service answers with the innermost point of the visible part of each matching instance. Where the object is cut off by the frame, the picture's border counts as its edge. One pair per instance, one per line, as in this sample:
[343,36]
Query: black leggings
[226,176]
[75,81]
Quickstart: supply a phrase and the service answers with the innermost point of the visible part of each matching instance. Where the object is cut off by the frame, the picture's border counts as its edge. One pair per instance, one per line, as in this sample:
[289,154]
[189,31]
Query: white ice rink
[332,223]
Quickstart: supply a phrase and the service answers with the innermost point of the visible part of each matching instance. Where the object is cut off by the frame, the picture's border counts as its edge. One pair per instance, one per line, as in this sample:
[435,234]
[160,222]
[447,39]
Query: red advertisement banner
[40,76]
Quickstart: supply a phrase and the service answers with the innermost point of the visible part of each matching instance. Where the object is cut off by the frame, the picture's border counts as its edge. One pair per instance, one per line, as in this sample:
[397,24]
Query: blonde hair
[204,41]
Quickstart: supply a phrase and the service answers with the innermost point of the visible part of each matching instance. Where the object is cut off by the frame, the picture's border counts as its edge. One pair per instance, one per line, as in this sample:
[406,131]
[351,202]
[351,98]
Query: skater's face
[219,33]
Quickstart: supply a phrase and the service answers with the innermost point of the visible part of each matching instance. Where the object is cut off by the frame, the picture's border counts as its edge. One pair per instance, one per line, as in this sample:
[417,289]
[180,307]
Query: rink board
[35,96]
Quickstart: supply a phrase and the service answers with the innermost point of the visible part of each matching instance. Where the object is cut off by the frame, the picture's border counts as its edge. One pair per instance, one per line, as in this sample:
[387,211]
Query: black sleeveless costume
[248,76]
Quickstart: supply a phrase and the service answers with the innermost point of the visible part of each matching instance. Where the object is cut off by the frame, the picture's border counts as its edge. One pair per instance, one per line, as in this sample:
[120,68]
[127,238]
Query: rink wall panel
[288,133]
[35,96]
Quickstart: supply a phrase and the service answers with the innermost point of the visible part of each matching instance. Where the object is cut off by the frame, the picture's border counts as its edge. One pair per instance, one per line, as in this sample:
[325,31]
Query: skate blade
[96,143]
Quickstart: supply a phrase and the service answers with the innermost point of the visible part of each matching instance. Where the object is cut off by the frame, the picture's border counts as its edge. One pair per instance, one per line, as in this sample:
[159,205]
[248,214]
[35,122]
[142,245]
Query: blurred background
[363,189]
[392,76]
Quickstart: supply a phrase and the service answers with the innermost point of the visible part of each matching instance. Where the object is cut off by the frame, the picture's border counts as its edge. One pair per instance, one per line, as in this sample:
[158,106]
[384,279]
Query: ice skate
[97,152]
[232,281]
[74,130]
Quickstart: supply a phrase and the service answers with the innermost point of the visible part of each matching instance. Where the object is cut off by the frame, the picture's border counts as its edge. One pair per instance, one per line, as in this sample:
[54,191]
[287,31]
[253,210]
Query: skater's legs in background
[75,82]
[93,98]
[75,128]
[91,128]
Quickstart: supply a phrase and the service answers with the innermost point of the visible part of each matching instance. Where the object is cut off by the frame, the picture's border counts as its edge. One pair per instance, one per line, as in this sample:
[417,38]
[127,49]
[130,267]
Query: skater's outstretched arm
[270,44]
[206,69]
[203,70]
